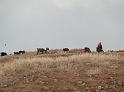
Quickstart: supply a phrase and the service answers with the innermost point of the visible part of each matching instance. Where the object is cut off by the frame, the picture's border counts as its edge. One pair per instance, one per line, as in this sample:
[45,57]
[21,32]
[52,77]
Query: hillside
[58,71]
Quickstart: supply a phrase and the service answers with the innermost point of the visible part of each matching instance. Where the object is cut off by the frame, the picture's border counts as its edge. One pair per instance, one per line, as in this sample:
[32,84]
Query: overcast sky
[29,24]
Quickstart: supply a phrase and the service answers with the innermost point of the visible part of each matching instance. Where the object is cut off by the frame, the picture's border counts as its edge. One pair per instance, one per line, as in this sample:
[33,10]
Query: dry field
[58,71]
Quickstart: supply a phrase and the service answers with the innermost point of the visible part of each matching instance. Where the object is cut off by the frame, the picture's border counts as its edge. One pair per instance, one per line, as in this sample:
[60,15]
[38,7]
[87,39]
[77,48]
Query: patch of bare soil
[63,72]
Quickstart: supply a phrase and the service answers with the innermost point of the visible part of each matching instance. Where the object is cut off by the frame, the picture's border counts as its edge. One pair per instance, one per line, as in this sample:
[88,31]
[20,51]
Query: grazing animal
[99,49]
[3,53]
[42,50]
[115,50]
[121,50]
[86,49]
[16,53]
[47,48]
[21,52]
[110,50]
[65,49]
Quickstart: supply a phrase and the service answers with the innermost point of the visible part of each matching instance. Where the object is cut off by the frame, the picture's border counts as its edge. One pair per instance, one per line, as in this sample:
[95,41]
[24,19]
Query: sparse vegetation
[58,71]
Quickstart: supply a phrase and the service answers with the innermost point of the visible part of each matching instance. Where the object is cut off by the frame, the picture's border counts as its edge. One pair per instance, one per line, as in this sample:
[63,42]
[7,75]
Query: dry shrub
[77,50]
[45,62]
[61,70]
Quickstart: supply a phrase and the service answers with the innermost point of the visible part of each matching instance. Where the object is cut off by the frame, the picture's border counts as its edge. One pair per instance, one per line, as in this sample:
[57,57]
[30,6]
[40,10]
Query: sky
[31,24]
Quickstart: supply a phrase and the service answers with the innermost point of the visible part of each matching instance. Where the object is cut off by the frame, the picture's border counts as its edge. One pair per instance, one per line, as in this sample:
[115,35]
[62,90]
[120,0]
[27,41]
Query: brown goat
[42,50]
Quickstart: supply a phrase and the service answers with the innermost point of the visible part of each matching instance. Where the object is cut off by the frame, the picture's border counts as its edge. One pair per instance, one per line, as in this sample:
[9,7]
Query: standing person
[100,45]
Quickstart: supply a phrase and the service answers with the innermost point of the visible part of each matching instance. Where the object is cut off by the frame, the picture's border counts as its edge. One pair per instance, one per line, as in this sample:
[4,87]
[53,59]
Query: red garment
[99,44]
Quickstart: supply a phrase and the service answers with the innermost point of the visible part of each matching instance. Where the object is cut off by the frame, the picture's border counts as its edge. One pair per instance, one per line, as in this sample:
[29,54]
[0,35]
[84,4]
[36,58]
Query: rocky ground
[62,72]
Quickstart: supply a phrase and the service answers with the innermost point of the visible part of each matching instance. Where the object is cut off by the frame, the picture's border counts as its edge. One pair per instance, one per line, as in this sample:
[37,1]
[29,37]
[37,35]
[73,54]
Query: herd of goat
[15,53]
[42,50]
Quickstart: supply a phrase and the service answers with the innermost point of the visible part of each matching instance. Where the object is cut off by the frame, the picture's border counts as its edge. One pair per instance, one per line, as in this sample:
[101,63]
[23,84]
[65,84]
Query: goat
[3,53]
[16,53]
[42,50]
[22,52]
[65,49]
[86,49]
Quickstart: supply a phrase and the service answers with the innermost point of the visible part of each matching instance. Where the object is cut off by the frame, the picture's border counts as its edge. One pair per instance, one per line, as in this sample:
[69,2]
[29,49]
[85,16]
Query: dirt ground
[62,72]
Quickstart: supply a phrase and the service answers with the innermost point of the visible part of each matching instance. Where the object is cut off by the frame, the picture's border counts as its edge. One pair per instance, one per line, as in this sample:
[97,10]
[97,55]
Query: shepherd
[99,47]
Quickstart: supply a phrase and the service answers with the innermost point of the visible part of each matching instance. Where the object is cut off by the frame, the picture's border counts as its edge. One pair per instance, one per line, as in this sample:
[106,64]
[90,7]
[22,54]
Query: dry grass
[64,72]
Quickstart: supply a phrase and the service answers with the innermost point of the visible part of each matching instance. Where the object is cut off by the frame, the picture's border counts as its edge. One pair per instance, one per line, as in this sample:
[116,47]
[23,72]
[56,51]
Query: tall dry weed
[61,69]
[96,59]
